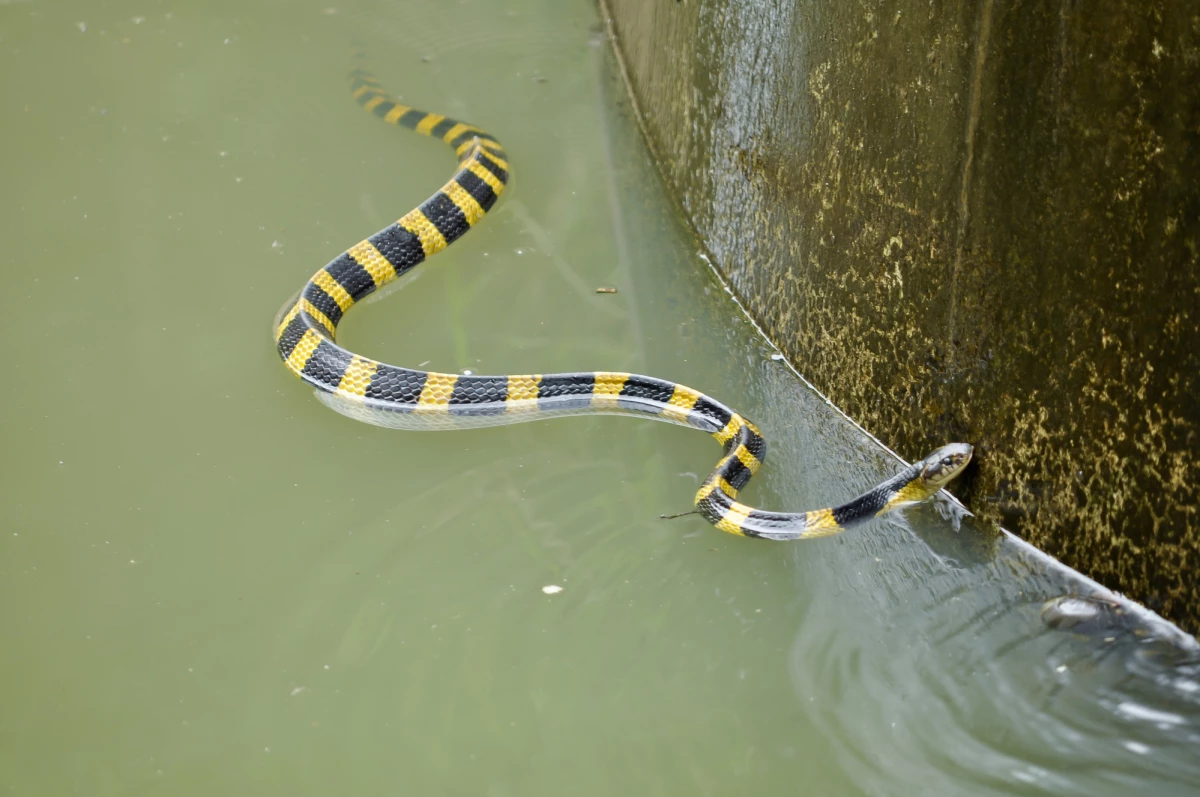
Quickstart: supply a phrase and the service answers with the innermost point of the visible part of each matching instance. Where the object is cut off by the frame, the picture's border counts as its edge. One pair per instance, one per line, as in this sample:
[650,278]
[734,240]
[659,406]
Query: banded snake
[408,398]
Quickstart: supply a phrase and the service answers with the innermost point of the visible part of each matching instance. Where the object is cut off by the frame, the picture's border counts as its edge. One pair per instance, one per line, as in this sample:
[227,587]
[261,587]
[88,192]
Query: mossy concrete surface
[965,221]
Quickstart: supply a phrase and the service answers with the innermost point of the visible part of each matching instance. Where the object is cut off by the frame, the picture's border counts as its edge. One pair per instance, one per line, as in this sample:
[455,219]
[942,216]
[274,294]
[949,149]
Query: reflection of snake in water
[406,398]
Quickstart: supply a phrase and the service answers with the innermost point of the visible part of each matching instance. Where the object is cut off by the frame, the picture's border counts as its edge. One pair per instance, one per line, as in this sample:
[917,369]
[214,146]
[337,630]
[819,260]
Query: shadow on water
[245,587]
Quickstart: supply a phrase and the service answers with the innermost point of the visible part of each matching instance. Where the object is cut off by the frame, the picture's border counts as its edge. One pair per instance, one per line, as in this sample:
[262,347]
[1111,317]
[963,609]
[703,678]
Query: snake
[408,398]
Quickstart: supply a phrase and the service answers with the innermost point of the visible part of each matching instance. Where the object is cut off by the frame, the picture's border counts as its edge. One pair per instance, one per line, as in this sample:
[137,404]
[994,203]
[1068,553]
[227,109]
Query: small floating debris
[606,290]
[776,356]
[540,79]
[1083,614]
[551,589]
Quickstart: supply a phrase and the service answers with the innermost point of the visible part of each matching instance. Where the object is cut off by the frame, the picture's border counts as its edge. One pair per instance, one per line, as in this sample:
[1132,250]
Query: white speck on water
[1136,747]
[298,690]
[327,666]
[1061,668]
[552,589]
[82,27]
[138,20]
[466,372]
[776,356]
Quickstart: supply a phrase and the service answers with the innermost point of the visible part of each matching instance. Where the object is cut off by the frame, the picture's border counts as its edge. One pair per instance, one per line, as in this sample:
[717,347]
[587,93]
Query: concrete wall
[965,221]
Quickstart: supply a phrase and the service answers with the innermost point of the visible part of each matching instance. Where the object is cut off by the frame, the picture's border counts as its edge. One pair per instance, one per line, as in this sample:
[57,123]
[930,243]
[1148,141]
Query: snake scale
[408,398]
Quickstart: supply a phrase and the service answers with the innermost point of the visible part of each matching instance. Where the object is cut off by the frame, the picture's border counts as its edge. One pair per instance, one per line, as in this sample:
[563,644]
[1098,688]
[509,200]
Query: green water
[210,583]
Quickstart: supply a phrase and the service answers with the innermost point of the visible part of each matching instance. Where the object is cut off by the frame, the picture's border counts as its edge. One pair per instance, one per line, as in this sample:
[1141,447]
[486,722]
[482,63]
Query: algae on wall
[965,221]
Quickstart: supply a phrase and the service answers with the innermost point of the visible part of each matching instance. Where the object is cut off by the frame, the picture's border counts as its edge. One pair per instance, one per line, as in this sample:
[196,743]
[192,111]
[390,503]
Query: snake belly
[408,398]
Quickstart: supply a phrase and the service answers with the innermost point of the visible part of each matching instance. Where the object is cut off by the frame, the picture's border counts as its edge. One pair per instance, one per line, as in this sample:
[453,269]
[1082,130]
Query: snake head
[942,465]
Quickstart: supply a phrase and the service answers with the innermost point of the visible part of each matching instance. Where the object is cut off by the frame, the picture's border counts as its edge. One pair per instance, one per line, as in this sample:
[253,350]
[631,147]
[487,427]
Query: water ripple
[943,675]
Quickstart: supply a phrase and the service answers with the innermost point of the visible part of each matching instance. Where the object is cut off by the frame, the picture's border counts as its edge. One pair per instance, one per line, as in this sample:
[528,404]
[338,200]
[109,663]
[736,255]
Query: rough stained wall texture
[968,221]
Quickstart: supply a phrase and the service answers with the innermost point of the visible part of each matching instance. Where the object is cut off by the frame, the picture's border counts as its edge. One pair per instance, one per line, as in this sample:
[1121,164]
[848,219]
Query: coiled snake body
[388,395]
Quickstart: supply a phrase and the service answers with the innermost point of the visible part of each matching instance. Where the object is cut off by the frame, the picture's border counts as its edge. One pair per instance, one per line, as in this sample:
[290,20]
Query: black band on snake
[407,398]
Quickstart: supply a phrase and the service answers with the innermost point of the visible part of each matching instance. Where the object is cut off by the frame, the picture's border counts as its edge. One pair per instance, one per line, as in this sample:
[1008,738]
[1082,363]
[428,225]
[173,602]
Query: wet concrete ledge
[965,221]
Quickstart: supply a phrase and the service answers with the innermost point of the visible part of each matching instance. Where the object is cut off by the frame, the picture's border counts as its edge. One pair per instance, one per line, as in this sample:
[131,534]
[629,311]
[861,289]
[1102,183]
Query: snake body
[408,398]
